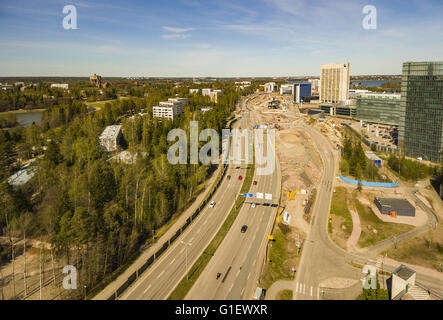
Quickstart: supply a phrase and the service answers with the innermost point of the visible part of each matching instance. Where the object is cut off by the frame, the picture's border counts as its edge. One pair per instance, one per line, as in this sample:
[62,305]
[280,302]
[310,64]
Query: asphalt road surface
[240,256]
[163,276]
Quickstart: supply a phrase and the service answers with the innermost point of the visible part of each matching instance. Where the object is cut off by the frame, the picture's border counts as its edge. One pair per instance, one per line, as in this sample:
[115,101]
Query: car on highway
[240,177]
[255,183]
[244,228]
[253,205]
[212,204]
[229,177]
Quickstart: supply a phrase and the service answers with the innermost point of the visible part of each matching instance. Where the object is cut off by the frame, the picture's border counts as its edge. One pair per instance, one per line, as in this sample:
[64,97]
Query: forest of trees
[411,169]
[95,212]
[354,161]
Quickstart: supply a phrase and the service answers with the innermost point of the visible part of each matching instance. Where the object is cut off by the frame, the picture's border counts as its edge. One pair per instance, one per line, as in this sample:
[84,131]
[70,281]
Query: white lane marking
[205,222]
[249,275]
[161,273]
[318,293]
[191,239]
[181,251]
[231,287]
[146,290]
[304,289]
[172,261]
[243,291]
[296,287]
[238,272]
[199,229]
[311,291]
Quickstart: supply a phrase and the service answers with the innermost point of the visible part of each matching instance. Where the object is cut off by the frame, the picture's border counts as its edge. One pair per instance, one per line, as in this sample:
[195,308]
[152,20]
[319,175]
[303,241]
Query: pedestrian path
[307,291]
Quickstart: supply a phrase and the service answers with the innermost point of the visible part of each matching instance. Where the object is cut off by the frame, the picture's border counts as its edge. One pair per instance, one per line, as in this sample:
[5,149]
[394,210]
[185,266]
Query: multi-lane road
[164,275]
[241,256]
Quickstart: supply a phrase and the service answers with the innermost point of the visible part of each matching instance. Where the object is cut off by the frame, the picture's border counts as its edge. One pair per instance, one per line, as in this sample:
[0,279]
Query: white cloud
[178,30]
[175,36]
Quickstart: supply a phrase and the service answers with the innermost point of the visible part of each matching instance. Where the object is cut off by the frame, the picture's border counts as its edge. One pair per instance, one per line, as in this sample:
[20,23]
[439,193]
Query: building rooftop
[111,132]
[22,176]
[381,95]
[399,203]
[404,272]
[372,156]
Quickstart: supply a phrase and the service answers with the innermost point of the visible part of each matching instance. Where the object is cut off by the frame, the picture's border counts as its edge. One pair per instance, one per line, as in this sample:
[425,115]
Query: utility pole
[186,244]
[41,247]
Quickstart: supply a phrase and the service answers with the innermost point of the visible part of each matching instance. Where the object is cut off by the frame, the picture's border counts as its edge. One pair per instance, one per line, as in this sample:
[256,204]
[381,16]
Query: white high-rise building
[334,82]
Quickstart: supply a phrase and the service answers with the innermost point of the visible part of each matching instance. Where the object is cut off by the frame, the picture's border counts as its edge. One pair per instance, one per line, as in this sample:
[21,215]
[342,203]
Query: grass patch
[426,250]
[282,255]
[284,295]
[370,222]
[339,208]
[185,285]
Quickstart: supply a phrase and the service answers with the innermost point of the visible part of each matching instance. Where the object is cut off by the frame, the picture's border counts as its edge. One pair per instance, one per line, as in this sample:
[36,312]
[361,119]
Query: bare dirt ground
[12,285]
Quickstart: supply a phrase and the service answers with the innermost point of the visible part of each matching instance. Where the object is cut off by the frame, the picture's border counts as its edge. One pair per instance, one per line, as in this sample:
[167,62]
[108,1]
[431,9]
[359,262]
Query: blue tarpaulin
[369,184]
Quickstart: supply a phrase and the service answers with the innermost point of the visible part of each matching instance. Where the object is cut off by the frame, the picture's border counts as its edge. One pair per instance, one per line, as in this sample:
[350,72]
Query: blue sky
[219,38]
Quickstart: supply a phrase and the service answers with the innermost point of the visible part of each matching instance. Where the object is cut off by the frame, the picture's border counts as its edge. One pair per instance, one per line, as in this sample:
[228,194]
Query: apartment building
[169,109]
[334,82]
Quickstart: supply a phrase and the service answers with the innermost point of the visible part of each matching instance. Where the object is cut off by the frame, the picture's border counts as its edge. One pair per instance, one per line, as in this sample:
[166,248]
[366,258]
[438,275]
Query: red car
[240,177]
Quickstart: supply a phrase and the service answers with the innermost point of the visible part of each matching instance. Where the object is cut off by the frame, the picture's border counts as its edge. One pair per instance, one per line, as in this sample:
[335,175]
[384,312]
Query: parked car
[212,204]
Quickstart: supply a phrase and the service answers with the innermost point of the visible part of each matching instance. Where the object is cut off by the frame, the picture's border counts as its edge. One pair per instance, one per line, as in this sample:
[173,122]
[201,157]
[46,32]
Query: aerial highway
[233,272]
[163,276]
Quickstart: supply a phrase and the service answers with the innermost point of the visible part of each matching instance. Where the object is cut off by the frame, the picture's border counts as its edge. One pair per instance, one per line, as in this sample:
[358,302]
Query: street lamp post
[186,244]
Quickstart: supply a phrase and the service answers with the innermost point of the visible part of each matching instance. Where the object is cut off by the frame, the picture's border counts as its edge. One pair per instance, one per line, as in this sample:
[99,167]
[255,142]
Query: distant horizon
[202,77]
[221,39]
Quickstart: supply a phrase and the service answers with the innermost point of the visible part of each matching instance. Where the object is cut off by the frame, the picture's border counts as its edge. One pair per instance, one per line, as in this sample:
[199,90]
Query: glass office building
[380,108]
[421,122]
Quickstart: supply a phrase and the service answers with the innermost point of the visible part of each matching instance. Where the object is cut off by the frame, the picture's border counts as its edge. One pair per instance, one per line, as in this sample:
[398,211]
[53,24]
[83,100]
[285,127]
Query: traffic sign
[268,196]
[260,195]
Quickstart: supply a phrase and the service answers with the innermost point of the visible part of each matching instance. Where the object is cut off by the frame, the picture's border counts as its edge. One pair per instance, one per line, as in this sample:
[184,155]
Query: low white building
[169,109]
[111,137]
[194,91]
[270,87]
[205,109]
[354,93]
[212,93]
[64,86]
[287,89]
[403,278]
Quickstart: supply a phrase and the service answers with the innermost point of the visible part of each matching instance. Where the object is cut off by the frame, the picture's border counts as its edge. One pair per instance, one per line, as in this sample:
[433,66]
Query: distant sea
[373,83]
